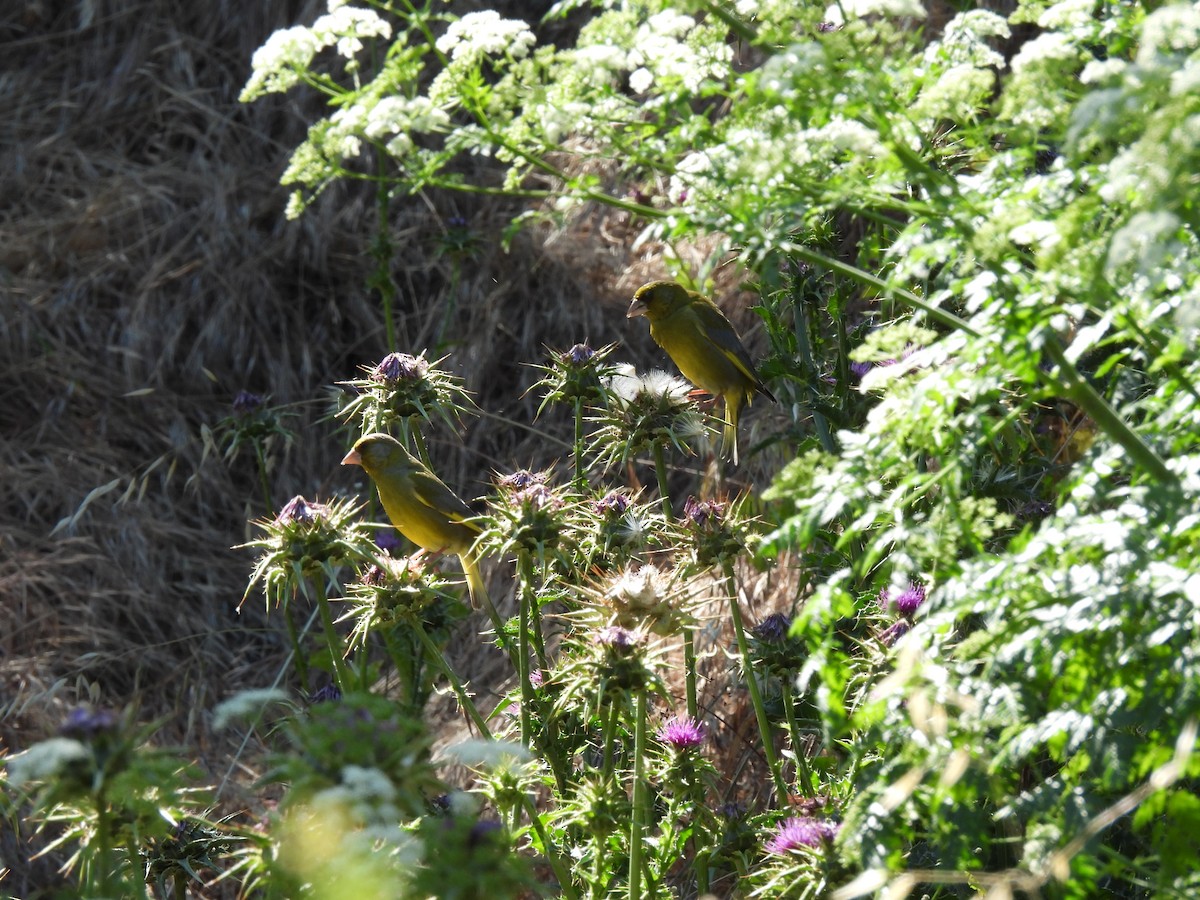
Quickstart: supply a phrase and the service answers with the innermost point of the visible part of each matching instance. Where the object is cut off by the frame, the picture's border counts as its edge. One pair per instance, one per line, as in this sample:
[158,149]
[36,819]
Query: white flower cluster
[767,155]
[662,53]
[964,40]
[279,63]
[860,9]
[346,26]
[403,117]
[484,33]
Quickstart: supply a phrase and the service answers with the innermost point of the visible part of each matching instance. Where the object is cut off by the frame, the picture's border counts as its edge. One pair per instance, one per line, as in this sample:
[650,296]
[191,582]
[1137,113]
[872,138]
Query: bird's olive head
[376,452]
[657,299]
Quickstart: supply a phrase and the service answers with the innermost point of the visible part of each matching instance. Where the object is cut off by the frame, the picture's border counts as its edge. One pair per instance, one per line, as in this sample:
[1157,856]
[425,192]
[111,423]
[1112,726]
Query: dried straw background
[147,275]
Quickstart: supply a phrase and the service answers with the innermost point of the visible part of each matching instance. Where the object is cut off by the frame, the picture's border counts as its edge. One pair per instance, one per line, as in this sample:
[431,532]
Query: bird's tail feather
[475,584]
[729,436]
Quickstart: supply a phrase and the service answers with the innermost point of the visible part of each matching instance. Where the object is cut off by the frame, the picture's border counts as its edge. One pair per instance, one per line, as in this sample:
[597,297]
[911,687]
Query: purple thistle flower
[400,367]
[579,354]
[84,722]
[895,631]
[803,832]
[773,629]
[701,512]
[620,639]
[682,733]
[299,510]
[245,403]
[537,496]
[326,694]
[482,831]
[859,369]
[910,598]
[388,541]
[521,480]
[614,503]
[536,678]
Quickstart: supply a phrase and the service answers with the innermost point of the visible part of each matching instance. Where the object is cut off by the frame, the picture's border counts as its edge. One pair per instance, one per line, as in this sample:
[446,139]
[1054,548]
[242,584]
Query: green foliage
[975,252]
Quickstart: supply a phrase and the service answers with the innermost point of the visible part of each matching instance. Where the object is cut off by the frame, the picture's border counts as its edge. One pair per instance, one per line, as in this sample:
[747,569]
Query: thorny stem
[689,672]
[638,820]
[803,772]
[552,856]
[524,602]
[434,654]
[294,640]
[264,483]
[580,477]
[760,712]
[660,471]
[341,674]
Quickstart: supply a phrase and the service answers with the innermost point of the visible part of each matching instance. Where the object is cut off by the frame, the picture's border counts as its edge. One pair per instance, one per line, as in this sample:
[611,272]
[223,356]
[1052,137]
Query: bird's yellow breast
[424,526]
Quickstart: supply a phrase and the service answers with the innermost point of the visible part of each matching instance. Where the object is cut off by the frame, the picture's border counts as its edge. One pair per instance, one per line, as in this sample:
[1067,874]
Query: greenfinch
[700,340]
[419,504]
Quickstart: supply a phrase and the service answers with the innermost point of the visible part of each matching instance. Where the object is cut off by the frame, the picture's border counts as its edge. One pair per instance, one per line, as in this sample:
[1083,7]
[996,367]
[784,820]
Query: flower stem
[760,712]
[566,888]
[434,653]
[341,673]
[264,483]
[689,672]
[638,820]
[803,772]
[297,652]
[580,476]
[660,471]
[523,666]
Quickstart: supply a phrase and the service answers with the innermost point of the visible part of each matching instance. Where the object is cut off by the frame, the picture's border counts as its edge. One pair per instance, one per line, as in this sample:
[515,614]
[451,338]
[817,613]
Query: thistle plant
[110,797]
[646,413]
[302,551]
[401,390]
[575,378]
[257,424]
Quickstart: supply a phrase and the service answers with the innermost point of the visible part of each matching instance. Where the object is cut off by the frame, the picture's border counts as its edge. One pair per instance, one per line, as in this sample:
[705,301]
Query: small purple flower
[620,639]
[701,512]
[773,629]
[84,722]
[456,222]
[245,403]
[400,367]
[537,496]
[299,510]
[910,599]
[521,479]
[482,831]
[328,693]
[803,832]
[579,355]
[859,369]
[1035,510]
[614,503]
[732,812]
[388,541]
[895,631]
[536,678]
[682,732]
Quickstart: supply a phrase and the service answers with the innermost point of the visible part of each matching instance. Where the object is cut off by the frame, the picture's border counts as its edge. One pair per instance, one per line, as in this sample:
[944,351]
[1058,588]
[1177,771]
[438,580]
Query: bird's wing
[432,492]
[723,337]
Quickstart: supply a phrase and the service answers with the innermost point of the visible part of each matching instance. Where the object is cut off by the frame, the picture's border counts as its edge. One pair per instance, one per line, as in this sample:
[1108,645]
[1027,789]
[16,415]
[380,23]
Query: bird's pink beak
[636,308]
[352,459]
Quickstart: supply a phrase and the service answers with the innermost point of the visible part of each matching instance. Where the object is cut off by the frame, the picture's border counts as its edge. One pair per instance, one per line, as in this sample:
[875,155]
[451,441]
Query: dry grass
[148,275]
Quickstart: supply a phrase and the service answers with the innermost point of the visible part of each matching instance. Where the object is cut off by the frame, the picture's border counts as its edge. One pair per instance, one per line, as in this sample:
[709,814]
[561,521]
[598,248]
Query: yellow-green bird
[700,340]
[419,504]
